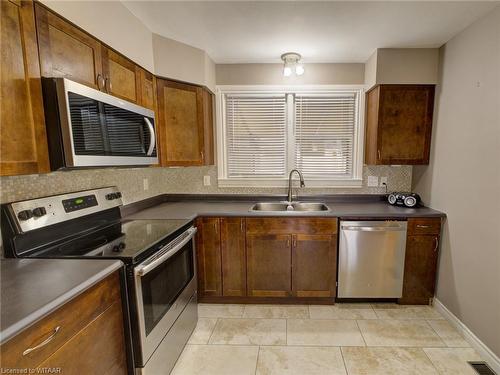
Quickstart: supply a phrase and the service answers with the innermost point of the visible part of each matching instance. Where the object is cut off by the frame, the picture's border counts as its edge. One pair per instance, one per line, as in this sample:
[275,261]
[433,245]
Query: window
[265,132]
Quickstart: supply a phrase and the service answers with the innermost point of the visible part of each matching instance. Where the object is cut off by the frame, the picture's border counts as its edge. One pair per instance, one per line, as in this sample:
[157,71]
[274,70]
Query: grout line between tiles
[257,361]
[213,330]
[431,361]
[361,332]
[343,360]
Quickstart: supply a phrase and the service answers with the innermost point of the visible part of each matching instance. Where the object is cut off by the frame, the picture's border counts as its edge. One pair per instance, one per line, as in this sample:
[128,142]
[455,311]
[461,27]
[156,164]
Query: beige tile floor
[344,339]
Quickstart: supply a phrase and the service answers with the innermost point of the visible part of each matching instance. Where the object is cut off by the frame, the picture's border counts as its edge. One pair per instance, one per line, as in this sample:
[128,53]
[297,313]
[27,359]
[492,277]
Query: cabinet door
[209,257]
[121,76]
[234,269]
[66,51]
[148,89]
[269,260]
[98,349]
[420,269]
[208,128]
[405,124]
[23,144]
[314,265]
[180,123]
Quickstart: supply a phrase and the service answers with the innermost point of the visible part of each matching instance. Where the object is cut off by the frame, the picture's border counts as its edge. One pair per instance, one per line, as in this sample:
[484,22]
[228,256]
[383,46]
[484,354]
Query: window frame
[289,90]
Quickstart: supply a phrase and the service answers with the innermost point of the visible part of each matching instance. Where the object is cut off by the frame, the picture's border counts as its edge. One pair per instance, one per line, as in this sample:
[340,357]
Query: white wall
[463,178]
[402,66]
[272,74]
[113,23]
[180,61]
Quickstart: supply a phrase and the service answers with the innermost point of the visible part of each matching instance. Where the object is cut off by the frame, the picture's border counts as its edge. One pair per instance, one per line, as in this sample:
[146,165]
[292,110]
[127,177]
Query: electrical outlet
[206,181]
[145,184]
[383,181]
[372,181]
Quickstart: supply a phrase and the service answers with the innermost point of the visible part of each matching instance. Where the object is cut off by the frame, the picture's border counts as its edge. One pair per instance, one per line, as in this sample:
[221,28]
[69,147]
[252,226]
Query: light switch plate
[206,181]
[372,181]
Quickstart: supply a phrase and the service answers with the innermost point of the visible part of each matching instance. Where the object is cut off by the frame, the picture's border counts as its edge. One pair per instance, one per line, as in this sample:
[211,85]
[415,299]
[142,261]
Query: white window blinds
[255,135]
[324,134]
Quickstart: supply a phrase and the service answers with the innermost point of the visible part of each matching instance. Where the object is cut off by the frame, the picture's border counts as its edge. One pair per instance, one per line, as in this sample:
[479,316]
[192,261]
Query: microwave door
[129,134]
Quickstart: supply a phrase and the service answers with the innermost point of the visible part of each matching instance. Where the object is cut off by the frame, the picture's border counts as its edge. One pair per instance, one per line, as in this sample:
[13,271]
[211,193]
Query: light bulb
[287,71]
[299,69]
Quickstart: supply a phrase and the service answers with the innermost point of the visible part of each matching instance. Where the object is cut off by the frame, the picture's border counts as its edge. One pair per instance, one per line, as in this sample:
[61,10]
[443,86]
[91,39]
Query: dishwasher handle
[374,229]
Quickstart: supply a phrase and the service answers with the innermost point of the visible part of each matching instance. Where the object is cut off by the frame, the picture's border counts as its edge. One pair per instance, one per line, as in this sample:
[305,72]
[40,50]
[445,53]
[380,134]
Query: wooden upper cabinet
[399,124]
[180,121]
[67,51]
[122,78]
[23,145]
[209,256]
[208,128]
[234,268]
[269,260]
[185,127]
[148,89]
[314,265]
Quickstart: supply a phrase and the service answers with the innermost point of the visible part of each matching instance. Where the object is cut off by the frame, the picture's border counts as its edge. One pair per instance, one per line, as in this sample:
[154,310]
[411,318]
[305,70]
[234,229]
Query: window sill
[273,183]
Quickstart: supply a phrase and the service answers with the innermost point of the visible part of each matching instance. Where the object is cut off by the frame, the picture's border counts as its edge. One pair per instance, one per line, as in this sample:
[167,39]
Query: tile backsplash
[171,180]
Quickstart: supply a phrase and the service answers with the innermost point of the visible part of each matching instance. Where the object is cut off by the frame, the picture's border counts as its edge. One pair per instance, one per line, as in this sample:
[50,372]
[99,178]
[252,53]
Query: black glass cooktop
[128,240]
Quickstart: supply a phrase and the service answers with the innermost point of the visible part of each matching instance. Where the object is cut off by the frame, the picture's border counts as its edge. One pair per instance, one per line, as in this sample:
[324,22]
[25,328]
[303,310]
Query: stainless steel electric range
[159,256]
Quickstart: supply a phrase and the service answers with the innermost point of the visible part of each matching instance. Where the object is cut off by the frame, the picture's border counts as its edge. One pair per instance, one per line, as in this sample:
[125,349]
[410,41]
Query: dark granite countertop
[32,288]
[361,207]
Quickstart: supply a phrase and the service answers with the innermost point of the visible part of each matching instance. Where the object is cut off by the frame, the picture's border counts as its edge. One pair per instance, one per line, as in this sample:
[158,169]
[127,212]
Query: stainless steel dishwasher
[371,259]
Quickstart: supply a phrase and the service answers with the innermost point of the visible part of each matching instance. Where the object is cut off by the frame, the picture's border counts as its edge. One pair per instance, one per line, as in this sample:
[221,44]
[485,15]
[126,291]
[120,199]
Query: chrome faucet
[302,184]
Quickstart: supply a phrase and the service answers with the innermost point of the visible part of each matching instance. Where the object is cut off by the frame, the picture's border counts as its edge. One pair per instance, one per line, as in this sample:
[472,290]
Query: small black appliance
[407,199]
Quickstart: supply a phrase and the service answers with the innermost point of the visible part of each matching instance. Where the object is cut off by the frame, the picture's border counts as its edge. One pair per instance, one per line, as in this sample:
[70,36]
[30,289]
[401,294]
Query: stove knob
[25,215]
[118,194]
[121,246]
[110,196]
[39,211]
[116,249]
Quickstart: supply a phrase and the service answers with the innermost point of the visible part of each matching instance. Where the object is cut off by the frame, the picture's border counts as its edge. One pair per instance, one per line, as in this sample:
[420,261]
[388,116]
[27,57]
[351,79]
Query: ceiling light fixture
[291,64]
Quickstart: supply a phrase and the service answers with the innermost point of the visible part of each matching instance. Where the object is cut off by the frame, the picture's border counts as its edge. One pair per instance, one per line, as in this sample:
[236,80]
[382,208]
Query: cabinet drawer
[71,318]
[424,226]
[98,349]
[295,225]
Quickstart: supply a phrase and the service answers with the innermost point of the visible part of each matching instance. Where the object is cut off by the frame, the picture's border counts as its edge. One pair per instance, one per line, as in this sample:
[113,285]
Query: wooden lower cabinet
[422,250]
[269,272]
[209,256]
[258,259]
[314,265]
[94,350]
[87,335]
[233,252]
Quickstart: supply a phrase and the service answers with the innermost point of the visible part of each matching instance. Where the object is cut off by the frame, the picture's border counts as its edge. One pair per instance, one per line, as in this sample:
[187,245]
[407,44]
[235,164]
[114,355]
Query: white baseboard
[485,352]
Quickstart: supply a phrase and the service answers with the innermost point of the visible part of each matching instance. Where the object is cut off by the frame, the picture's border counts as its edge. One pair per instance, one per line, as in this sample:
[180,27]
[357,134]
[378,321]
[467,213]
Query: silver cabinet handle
[107,85]
[437,244]
[100,81]
[423,226]
[152,137]
[43,343]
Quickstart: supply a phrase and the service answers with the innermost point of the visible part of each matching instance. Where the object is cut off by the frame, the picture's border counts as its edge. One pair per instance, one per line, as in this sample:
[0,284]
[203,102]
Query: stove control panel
[79,203]
[41,212]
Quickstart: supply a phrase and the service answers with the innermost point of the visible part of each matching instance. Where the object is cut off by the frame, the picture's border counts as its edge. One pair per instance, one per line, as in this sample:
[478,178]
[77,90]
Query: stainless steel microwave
[89,128]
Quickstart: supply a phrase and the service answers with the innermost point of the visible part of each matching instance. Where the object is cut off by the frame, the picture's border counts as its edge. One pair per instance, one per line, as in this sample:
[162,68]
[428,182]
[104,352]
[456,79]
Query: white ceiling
[260,31]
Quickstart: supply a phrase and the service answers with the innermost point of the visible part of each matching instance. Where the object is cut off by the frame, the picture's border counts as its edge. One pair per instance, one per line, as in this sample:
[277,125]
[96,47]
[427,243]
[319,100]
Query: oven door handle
[146,267]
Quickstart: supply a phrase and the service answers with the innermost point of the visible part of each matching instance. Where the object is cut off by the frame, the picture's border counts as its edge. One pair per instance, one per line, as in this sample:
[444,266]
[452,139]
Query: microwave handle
[147,267]
[152,136]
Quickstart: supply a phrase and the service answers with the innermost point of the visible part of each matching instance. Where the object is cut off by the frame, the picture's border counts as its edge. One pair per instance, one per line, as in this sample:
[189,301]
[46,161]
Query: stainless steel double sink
[290,207]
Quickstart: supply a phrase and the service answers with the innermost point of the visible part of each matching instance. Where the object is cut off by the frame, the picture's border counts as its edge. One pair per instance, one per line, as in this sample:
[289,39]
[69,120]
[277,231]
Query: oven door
[164,285]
